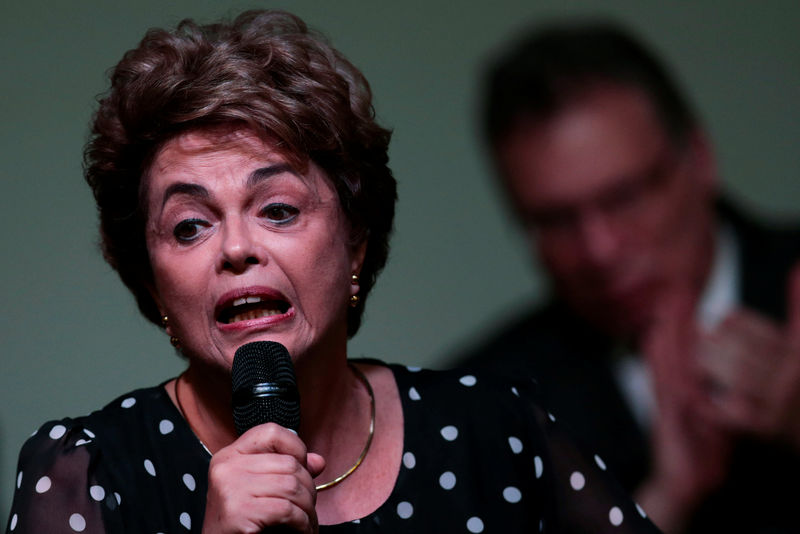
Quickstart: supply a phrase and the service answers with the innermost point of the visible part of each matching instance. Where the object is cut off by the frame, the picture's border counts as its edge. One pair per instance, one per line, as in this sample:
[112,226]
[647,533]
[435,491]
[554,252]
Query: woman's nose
[239,247]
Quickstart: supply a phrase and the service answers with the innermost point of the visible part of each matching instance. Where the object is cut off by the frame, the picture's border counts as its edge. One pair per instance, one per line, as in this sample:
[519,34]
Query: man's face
[617,213]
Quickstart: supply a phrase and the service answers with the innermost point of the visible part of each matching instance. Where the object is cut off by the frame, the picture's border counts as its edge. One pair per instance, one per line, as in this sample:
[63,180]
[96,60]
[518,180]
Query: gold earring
[354,298]
[174,341]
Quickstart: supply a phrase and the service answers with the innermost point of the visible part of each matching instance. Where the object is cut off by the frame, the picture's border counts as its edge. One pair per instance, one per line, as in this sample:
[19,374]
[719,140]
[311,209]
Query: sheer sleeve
[57,488]
[587,497]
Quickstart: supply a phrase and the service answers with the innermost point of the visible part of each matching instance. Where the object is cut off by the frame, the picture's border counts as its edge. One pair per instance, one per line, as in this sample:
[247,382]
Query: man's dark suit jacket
[572,364]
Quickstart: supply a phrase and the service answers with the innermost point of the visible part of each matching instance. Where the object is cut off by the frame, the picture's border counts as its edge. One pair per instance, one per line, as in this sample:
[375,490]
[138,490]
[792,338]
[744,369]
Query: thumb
[669,342]
[315,464]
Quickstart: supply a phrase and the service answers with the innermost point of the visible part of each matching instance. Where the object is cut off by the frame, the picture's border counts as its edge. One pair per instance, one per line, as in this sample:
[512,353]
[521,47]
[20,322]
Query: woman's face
[243,248]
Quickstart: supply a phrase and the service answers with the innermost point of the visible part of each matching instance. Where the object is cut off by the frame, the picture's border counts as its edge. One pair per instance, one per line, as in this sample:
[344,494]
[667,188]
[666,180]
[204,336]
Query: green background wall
[71,336]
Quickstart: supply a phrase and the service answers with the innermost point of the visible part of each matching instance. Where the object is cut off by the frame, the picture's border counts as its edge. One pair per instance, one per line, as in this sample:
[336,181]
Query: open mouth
[251,307]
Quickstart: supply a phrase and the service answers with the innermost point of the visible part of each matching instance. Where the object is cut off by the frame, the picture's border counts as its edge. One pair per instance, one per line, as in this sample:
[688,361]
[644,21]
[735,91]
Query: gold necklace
[341,477]
[364,452]
[185,417]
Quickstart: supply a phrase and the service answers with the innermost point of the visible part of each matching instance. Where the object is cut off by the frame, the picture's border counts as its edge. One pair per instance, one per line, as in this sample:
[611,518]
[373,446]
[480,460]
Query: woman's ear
[156,299]
[357,259]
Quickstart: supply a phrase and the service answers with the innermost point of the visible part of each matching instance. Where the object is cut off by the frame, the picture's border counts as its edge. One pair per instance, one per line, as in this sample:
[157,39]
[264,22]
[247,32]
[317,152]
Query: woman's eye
[280,213]
[188,229]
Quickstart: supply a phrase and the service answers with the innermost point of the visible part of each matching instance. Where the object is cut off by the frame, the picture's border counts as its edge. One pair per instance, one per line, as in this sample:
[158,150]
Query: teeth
[253,314]
[246,300]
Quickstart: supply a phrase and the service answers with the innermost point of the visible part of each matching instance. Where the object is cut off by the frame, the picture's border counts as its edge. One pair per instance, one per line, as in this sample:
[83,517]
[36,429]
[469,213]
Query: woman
[244,195]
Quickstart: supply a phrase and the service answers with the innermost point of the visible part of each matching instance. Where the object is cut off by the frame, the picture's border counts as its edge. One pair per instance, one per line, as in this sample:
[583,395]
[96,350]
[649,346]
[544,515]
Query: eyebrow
[195,190]
[267,172]
[182,188]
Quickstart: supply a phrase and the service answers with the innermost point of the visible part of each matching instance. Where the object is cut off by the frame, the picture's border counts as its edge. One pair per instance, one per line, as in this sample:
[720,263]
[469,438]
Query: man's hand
[690,454]
[751,368]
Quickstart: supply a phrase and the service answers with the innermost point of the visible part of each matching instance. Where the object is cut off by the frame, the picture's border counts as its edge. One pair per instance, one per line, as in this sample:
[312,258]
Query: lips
[250,304]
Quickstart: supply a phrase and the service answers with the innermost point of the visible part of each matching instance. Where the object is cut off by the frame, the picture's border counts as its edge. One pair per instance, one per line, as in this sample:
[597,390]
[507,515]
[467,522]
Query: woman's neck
[335,423]
[332,400]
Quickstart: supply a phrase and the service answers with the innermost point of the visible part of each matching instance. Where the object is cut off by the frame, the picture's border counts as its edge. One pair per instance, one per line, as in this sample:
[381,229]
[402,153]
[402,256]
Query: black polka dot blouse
[480,455]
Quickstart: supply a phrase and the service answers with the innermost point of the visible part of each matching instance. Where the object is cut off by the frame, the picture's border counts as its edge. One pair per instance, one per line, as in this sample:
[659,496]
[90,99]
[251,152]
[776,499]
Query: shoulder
[532,342]
[768,250]
[69,467]
[474,397]
[762,234]
[105,432]
[81,430]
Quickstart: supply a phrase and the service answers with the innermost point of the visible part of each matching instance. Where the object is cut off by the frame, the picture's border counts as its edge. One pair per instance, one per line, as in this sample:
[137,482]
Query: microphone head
[264,387]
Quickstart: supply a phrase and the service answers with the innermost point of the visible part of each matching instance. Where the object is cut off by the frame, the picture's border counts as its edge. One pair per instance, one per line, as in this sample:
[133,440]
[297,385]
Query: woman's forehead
[228,156]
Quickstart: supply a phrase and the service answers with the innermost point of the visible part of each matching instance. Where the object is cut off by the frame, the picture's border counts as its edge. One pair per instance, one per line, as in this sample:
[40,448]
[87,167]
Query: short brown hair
[267,72]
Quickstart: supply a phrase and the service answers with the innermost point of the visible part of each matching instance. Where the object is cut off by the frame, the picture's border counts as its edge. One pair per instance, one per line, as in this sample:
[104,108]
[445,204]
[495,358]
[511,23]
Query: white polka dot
[512,494]
[537,463]
[447,480]
[188,481]
[615,516]
[127,403]
[514,391]
[34,432]
[19,479]
[516,444]
[43,484]
[82,442]
[356,521]
[57,431]
[150,468]
[118,498]
[541,525]
[409,460]
[449,432]
[405,510]
[13,524]
[413,368]
[77,523]
[185,520]
[165,426]
[475,525]
[577,480]
[413,394]
[640,510]
[97,493]
[600,463]
[89,433]
[551,416]
[468,380]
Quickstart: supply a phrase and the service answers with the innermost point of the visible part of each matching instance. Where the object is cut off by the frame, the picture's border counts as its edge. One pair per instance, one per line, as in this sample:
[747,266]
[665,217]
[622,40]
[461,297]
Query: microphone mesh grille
[264,362]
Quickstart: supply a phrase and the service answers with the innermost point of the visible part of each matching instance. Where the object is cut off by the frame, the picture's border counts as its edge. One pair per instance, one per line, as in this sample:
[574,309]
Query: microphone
[264,387]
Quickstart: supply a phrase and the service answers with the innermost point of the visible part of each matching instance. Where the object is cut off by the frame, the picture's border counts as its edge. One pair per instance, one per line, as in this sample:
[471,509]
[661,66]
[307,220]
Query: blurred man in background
[671,343]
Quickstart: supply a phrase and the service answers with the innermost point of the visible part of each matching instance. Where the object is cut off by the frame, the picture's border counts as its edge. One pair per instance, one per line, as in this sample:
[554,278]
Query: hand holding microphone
[265,477]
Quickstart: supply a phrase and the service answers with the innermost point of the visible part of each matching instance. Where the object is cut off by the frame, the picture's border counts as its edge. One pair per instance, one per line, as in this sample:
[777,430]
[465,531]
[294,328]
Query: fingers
[752,367]
[260,480]
[741,354]
[271,437]
[668,346]
[315,464]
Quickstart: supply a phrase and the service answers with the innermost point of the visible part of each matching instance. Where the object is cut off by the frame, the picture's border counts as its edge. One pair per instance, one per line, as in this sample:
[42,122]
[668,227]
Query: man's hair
[552,66]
